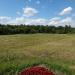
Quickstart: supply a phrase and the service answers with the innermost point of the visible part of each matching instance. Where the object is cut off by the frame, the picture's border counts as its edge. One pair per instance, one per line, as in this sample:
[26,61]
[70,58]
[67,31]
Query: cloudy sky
[43,12]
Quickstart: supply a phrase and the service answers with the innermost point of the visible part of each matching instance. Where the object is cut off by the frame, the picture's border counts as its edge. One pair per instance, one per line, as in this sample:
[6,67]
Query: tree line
[31,29]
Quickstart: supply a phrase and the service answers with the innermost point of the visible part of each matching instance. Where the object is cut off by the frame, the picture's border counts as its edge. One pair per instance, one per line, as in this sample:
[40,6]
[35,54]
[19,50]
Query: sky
[38,12]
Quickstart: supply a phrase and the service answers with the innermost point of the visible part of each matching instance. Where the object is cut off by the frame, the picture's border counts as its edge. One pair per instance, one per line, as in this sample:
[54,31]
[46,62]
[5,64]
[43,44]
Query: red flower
[36,71]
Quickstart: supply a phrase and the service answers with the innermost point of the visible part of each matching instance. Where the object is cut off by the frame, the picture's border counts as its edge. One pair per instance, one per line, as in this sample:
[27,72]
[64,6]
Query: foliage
[27,29]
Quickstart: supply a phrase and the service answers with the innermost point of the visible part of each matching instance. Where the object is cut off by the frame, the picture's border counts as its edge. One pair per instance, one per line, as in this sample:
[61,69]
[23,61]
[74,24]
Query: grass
[56,51]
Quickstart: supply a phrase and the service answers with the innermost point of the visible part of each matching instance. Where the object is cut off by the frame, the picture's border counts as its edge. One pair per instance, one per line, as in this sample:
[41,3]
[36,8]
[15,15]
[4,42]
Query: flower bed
[36,71]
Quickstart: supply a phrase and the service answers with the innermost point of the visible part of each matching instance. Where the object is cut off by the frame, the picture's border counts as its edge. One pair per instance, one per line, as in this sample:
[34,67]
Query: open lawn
[56,51]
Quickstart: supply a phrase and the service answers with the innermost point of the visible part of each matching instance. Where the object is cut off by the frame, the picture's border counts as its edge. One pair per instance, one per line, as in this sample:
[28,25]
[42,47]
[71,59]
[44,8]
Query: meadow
[55,51]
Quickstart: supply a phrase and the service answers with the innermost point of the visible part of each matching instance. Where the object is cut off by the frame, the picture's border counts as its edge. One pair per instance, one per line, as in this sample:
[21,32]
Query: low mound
[36,71]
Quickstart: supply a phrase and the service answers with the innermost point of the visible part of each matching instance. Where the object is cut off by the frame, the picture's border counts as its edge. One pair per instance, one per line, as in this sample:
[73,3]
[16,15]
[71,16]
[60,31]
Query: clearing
[56,51]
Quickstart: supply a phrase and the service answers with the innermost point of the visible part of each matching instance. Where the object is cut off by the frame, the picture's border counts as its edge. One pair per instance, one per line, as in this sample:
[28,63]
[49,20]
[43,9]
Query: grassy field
[56,51]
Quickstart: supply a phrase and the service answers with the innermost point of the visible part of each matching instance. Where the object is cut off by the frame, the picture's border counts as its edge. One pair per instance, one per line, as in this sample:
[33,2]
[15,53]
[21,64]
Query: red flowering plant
[37,71]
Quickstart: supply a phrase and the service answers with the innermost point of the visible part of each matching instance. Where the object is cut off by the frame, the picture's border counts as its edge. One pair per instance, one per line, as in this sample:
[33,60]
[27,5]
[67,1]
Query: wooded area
[27,29]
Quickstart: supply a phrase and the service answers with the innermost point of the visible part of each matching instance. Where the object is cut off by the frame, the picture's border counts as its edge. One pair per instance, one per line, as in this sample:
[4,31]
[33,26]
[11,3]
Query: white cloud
[57,21]
[39,21]
[29,12]
[23,20]
[17,21]
[67,10]
[4,19]
[66,20]
[54,21]
[18,13]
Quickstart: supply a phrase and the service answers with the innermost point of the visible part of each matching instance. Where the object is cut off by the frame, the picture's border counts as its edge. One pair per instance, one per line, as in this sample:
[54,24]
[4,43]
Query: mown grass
[56,51]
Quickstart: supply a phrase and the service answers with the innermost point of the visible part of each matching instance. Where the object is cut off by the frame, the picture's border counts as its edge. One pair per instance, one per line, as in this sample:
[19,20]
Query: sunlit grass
[56,51]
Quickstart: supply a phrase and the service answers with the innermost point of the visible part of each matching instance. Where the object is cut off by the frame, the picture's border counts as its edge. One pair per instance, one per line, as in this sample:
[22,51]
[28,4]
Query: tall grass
[56,52]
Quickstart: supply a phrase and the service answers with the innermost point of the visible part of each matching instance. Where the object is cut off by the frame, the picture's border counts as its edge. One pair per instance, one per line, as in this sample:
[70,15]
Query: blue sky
[51,12]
